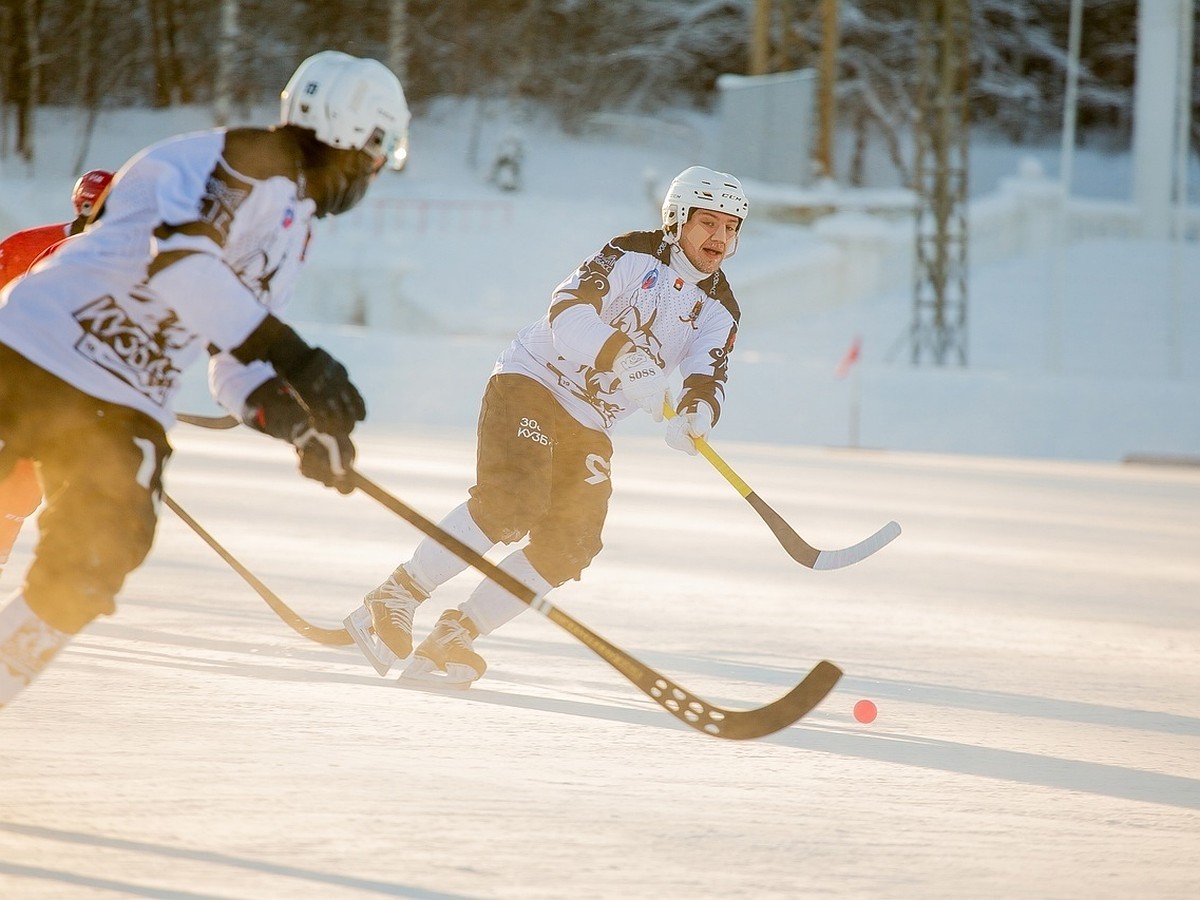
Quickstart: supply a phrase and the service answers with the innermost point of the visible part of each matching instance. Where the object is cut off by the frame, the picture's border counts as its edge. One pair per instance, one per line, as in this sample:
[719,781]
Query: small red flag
[851,357]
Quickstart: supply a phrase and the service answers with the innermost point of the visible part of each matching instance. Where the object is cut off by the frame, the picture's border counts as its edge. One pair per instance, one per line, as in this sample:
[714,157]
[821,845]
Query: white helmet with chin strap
[701,188]
[351,104]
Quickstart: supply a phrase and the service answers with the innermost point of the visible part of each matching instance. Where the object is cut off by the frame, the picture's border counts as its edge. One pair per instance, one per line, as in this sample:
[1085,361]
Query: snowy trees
[575,56]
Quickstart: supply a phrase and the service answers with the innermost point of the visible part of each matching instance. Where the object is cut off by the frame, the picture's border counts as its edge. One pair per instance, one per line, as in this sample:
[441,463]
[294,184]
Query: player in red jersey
[20,251]
[20,492]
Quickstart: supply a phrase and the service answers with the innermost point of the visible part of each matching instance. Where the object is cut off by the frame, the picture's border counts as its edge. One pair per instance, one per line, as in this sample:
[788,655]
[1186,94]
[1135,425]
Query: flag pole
[849,366]
[855,404]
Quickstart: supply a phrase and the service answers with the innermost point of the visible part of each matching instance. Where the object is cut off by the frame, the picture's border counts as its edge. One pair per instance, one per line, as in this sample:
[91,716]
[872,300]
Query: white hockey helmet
[701,188]
[349,103]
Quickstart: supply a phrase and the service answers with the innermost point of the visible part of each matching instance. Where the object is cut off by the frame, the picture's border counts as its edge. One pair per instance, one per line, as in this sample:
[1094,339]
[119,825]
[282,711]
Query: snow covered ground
[1032,640]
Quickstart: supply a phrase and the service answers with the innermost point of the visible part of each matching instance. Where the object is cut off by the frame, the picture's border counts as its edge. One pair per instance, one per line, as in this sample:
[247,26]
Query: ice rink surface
[1032,642]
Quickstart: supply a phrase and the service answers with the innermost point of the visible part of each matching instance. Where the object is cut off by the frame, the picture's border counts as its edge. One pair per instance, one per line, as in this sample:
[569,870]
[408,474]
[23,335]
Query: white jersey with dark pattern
[89,315]
[629,289]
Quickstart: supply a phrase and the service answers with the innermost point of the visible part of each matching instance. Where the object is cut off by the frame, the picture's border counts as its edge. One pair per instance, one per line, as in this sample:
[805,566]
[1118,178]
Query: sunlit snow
[1032,640]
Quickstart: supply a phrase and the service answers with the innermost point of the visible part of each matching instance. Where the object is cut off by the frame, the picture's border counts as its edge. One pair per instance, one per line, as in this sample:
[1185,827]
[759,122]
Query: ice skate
[382,626]
[447,657]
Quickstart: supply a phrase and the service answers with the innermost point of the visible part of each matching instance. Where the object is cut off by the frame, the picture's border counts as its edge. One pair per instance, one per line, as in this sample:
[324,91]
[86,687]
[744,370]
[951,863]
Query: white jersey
[642,289]
[103,314]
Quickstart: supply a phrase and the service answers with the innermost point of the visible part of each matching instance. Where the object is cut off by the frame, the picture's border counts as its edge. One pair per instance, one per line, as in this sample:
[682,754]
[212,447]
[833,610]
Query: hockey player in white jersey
[200,245]
[648,304]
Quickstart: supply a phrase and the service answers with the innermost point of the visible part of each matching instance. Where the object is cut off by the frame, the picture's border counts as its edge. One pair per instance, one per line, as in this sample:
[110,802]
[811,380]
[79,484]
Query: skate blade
[378,654]
[424,673]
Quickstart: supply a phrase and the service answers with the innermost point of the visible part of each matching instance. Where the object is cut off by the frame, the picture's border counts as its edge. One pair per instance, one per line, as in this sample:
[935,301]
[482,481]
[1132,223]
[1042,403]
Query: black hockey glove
[326,454]
[276,409]
[326,458]
[320,380]
[324,385]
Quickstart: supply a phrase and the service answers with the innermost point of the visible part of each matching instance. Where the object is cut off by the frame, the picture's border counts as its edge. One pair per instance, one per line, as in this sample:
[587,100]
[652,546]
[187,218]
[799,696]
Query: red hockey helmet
[90,190]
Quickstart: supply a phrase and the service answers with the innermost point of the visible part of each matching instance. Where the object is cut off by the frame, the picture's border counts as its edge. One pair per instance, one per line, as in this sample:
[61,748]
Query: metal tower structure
[939,324]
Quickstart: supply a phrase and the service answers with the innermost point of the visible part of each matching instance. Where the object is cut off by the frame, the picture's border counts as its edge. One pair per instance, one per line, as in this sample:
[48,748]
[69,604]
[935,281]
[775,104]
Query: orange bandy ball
[865,711]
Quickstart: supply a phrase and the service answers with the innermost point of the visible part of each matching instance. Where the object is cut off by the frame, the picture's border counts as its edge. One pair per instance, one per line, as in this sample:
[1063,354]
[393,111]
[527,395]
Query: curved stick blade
[741,725]
[848,556]
[331,637]
[691,710]
[806,554]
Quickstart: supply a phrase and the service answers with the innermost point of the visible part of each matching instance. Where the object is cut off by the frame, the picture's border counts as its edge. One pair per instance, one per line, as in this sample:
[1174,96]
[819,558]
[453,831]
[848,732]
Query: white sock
[27,644]
[490,605]
[432,564]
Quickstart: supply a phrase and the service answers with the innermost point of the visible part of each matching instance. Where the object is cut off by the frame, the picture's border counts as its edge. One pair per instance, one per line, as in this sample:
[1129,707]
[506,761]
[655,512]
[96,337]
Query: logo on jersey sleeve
[605,261]
[720,360]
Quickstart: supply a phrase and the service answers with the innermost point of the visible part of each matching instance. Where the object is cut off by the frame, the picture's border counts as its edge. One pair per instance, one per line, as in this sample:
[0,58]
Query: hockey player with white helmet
[199,247]
[648,304]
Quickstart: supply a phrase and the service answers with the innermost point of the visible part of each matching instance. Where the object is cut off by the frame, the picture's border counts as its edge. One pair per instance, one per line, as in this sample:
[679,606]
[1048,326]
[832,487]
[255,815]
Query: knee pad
[81,561]
[501,516]
[563,561]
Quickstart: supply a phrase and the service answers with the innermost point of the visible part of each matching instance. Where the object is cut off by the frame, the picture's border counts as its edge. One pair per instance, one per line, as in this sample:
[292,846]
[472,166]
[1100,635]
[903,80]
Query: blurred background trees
[574,57]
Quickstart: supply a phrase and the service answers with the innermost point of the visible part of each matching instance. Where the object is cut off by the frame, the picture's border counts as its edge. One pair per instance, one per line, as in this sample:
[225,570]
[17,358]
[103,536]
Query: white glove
[642,381]
[687,426]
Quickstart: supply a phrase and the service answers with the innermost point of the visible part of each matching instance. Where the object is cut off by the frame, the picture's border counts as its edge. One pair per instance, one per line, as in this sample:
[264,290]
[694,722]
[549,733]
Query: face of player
[344,181]
[707,238]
